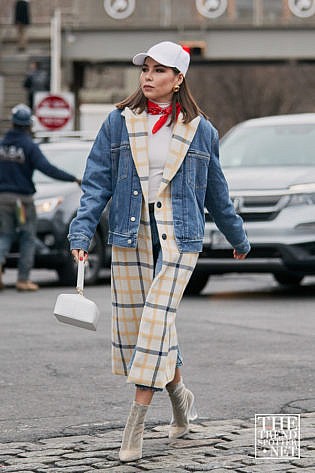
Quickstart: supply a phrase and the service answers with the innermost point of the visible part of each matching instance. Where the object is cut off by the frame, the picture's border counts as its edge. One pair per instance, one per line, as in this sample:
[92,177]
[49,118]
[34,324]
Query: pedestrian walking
[156,157]
[22,19]
[36,80]
[19,157]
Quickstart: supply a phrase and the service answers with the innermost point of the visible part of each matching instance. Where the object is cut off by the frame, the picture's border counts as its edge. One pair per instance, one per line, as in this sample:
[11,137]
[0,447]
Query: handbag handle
[80,278]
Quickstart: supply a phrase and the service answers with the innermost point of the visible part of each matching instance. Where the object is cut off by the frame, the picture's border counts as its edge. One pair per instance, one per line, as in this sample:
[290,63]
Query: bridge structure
[217,30]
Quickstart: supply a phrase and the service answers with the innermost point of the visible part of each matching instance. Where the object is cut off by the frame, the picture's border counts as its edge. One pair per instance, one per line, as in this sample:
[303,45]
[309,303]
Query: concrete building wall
[178,14]
[97,48]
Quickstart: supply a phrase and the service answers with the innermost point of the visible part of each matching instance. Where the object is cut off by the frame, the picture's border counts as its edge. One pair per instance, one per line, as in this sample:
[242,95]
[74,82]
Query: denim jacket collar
[182,136]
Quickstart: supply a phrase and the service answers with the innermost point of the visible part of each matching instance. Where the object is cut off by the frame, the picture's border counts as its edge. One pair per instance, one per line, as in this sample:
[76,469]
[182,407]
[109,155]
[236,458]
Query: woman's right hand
[79,255]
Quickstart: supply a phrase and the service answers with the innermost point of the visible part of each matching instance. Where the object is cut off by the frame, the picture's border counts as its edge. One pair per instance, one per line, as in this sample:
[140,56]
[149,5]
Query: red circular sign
[53,112]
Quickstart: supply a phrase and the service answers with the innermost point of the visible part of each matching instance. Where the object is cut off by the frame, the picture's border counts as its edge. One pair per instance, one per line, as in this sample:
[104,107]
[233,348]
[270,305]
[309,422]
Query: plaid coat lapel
[182,137]
[138,136]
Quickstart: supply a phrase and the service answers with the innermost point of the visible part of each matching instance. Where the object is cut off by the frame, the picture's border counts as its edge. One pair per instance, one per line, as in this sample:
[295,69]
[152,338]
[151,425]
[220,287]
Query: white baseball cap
[166,53]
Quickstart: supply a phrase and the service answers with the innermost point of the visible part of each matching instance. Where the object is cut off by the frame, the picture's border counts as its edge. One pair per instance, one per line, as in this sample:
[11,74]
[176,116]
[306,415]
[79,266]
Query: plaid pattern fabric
[144,308]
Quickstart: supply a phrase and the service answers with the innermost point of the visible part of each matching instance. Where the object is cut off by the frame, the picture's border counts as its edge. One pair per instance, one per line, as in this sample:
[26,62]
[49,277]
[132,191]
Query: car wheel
[288,278]
[196,283]
[95,261]
[67,273]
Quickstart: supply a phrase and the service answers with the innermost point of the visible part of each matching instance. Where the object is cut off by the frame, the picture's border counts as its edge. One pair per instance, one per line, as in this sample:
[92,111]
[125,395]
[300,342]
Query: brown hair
[190,110]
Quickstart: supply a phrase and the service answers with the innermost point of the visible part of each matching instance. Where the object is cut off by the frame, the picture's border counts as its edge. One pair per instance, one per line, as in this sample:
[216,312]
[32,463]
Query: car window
[72,160]
[278,145]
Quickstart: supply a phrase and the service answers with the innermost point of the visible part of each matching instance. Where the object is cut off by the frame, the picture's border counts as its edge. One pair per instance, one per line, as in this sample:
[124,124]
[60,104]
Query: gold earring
[176,88]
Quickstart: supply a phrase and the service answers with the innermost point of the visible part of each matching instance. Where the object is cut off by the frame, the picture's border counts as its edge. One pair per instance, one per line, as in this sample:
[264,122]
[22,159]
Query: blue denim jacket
[198,183]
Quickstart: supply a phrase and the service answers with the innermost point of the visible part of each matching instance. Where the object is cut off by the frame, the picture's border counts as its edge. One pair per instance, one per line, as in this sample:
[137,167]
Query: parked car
[56,204]
[269,164]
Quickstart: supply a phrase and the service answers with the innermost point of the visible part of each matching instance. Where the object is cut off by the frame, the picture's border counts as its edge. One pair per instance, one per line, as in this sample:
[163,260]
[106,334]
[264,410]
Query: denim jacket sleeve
[219,205]
[97,190]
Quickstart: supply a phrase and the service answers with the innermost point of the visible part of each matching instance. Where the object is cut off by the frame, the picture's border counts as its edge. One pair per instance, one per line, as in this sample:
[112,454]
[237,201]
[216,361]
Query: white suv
[269,164]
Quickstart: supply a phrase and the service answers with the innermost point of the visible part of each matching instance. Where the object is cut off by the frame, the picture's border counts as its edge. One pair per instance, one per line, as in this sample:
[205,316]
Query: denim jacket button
[164,236]
[133,219]
[135,193]
[129,241]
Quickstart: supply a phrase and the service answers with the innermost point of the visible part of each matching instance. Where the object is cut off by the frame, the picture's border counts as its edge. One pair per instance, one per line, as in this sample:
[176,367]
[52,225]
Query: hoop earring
[176,88]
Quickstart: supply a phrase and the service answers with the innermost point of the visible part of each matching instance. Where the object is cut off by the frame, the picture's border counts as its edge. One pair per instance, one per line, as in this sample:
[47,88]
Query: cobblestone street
[220,446]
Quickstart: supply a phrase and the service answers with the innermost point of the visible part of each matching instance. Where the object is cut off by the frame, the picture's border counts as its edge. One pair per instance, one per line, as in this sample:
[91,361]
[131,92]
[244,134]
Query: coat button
[133,219]
[159,204]
[135,193]
[164,236]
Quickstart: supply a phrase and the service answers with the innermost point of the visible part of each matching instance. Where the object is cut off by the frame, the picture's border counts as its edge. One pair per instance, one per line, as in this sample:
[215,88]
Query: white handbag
[75,309]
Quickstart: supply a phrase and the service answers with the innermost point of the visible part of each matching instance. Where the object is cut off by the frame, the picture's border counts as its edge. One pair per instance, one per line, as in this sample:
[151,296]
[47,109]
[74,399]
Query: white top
[158,145]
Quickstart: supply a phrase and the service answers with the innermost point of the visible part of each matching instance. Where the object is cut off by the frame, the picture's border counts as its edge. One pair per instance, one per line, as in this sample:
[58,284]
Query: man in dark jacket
[19,157]
[37,80]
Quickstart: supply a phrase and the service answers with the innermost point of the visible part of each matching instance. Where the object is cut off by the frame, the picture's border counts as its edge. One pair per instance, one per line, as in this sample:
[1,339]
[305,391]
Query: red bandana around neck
[155,109]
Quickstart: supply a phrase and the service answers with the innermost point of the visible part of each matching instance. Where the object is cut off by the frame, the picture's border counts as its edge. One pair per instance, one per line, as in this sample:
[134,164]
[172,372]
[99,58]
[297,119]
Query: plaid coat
[144,307]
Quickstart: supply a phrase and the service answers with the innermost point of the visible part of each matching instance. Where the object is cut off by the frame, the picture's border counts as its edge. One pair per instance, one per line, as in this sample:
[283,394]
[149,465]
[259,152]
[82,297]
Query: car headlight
[47,205]
[302,194]
[302,199]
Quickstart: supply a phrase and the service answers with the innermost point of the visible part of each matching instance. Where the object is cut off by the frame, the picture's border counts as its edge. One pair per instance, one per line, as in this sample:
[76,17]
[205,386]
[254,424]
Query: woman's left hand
[237,255]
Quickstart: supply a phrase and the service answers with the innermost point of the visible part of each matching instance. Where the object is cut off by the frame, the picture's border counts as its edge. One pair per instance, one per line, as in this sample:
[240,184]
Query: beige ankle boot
[131,446]
[183,410]
[26,286]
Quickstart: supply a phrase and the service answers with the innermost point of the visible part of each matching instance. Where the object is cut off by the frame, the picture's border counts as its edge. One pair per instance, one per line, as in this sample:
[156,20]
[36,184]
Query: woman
[156,156]
[22,20]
